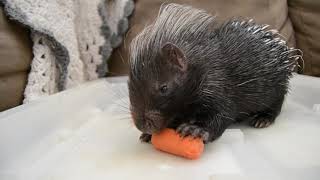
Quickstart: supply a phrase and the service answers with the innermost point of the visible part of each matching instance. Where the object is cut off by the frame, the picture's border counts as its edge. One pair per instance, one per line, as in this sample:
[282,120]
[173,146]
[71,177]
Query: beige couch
[15,58]
[297,20]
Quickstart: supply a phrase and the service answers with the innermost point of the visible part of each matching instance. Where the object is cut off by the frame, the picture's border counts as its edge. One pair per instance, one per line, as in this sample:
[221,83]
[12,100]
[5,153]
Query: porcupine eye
[163,89]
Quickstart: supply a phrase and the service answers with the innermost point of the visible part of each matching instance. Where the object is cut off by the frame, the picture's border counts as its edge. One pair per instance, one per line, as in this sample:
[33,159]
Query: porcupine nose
[139,124]
[144,124]
[153,122]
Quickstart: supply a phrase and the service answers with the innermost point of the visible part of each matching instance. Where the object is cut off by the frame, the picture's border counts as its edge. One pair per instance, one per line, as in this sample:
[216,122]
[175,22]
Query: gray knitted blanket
[72,39]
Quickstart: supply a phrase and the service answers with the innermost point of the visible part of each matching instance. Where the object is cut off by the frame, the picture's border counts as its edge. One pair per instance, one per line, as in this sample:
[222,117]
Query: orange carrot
[170,141]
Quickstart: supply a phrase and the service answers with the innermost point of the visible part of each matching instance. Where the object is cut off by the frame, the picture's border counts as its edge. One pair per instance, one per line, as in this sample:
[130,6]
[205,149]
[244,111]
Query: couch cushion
[305,16]
[11,89]
[15,59]
[269,12]
[15,46]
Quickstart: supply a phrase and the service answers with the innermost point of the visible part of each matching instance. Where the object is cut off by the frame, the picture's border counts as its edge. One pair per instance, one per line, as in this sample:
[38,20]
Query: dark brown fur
[199,82]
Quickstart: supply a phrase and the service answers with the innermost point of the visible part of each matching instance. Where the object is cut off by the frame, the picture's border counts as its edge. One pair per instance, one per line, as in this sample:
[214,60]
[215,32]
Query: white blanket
[72,39]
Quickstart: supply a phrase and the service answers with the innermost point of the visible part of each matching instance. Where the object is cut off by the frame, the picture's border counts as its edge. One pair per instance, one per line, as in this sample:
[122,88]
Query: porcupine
[190,73]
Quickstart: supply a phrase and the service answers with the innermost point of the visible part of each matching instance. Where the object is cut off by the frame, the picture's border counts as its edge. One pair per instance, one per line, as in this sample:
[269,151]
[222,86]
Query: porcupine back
[258,63]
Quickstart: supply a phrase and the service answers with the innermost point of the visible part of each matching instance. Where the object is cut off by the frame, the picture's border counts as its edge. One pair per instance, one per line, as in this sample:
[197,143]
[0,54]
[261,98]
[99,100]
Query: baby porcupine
[198,77]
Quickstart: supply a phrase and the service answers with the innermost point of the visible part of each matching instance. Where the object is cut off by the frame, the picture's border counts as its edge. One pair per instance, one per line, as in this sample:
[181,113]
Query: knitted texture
[73,40]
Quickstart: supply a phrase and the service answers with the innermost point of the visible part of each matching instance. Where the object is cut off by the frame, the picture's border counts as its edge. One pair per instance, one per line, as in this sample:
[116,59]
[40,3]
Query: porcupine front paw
[261,121]
[195,131]
[145,137]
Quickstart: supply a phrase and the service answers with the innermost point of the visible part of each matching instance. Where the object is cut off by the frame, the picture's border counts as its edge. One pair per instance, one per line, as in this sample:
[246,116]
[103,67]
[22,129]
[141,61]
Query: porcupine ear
[174,55]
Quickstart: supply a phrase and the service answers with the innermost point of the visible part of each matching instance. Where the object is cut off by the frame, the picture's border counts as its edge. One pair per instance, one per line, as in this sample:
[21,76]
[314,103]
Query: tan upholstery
[11,89]
[305,15]
[15,58]
[16,47]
